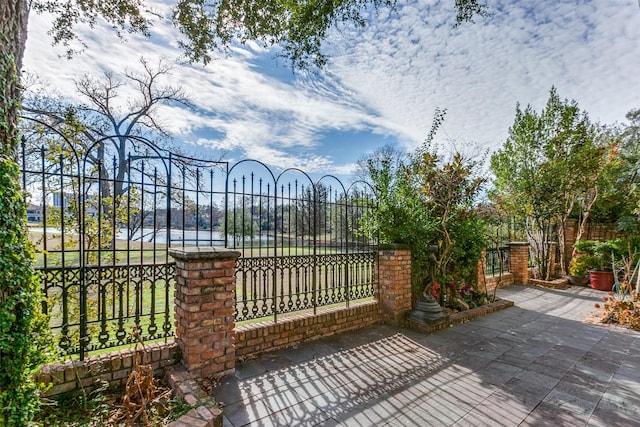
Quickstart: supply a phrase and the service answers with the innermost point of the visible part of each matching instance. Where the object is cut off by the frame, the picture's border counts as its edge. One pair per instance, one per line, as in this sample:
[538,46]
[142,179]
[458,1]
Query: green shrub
[24,330]
[428,205]
[598,256]
[581,264]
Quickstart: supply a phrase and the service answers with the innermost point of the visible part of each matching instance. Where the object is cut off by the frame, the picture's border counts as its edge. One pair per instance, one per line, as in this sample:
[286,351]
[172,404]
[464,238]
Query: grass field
[130,279]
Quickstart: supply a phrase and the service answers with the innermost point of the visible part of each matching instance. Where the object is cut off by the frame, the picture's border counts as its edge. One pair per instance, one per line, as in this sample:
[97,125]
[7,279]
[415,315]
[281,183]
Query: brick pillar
[482,273]
[519,262]
[204,309]
[394,282]
[570,235]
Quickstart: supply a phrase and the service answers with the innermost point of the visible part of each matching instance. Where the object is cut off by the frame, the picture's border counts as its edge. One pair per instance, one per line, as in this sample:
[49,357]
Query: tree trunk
[585,216]
[22,333]
[13,36]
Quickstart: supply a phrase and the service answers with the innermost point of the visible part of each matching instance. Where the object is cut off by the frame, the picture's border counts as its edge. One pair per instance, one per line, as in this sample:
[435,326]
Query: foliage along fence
[497,260]
[497,255]
[104,219]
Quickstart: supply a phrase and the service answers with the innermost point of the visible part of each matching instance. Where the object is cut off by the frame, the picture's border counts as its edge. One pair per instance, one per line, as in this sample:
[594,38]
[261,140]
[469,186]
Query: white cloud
[247,110]
[406,66]
[387,79]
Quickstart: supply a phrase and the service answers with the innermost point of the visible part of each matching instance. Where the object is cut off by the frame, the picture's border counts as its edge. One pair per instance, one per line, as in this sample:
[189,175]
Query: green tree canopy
[299,27]
[551,165]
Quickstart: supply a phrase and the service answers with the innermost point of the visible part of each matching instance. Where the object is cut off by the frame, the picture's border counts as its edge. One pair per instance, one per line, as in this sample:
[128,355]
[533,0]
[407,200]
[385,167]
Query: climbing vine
[24,332]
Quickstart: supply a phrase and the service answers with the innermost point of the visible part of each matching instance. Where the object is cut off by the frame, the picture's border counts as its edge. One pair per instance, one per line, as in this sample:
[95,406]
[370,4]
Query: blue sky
[382,84]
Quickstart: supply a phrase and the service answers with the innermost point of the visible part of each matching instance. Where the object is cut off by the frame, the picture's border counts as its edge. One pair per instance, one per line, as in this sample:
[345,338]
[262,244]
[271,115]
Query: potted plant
[599,260]
[579,269]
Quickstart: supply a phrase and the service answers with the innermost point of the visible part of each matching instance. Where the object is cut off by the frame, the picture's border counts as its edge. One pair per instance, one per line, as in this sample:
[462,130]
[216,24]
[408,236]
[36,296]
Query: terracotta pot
[601,280]
[578,280]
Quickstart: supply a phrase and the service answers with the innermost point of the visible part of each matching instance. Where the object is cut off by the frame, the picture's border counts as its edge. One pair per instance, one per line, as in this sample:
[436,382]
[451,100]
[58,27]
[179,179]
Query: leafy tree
[627,184]
[311,209]
[552,165]
[400,215]
[391,154]
[346,216]
[428,204]
[450,190]
[299,27]
[241,225]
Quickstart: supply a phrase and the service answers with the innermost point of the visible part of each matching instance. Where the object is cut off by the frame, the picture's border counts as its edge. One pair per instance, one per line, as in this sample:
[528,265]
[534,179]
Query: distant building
[65,200]
[61,200]
[34,214]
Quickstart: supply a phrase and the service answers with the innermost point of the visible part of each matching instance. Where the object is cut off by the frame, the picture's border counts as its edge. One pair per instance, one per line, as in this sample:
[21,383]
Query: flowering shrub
[459,291]
[472,296]
[435,291]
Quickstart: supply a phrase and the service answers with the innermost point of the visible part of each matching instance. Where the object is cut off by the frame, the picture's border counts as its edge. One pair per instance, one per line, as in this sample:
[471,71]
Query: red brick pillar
[204,309]
[519,262]
[394,282]
[552,248]
[482,273]
[570,235]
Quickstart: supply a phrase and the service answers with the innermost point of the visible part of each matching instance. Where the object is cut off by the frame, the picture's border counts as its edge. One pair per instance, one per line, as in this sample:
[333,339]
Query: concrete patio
[534,364]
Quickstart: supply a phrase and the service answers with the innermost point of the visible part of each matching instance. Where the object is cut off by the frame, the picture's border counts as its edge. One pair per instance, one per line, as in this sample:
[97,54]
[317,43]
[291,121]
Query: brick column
[570,239]
[204,309]
[482,273]
[394,282]
[519,262]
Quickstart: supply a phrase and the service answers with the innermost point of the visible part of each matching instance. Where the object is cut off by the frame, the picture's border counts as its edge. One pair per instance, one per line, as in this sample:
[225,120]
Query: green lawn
[116,295]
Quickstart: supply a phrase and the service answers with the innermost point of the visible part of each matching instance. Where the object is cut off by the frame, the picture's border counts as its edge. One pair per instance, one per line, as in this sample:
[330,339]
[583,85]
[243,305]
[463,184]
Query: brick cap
[193,253]
[518,243]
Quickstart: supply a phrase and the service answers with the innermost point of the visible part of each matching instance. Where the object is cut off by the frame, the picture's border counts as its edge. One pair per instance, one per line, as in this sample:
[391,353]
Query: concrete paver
[533,364]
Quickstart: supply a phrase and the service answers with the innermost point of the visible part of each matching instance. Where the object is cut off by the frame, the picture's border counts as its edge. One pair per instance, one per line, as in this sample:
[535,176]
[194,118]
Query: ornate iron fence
[299,238]
[497,260]
[104,215]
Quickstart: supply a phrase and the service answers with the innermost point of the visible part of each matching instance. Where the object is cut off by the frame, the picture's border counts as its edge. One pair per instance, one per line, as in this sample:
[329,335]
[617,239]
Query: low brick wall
[560,283]
[208,339]
[205,413]
[491,282]
[251,340]
[460,317]
[113,367]
[257,338]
